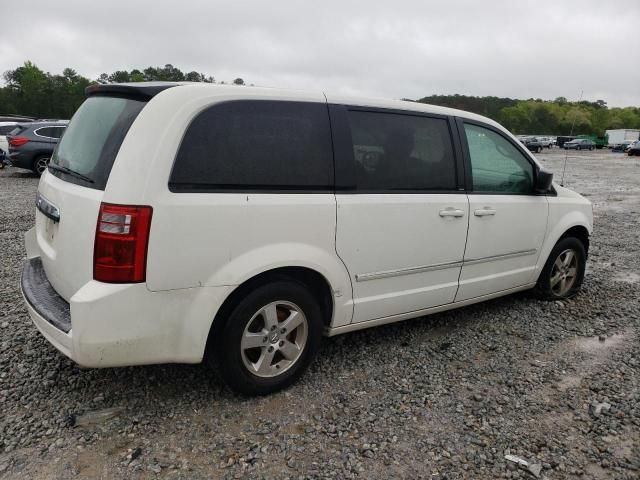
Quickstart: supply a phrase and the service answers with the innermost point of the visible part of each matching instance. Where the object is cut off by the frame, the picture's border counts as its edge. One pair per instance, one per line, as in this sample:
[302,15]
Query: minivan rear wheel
[40,164]
[269,339]
[563,273]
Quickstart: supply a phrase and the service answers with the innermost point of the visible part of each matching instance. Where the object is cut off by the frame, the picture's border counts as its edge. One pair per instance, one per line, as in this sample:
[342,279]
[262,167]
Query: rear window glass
[17,130]
[256,145]
[5,129]
[92,139]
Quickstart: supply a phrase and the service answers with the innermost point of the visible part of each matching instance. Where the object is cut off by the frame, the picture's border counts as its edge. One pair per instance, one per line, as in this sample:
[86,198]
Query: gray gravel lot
[446,396]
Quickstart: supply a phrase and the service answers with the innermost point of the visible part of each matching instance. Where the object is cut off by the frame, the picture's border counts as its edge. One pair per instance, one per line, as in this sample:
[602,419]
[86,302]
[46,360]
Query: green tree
[119,76]
[31,90]
[136,76]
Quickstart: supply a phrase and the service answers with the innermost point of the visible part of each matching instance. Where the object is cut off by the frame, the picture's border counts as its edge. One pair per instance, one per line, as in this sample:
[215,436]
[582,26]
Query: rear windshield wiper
[68,171]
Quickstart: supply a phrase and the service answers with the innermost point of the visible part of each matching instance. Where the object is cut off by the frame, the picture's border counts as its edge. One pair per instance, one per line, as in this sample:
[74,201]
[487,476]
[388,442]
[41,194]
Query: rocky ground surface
[448,396]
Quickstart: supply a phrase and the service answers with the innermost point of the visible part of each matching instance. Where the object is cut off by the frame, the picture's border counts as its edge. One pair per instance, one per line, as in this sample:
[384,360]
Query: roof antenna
[566,155]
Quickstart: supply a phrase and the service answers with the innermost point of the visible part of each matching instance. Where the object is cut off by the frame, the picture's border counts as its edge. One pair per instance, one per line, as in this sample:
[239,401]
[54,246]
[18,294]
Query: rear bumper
[42,298]
[20,159]
[49,312]
[107,325]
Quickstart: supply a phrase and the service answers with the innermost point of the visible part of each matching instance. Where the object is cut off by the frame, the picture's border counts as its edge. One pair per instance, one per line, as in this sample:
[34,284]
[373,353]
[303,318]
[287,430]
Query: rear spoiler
[138,90]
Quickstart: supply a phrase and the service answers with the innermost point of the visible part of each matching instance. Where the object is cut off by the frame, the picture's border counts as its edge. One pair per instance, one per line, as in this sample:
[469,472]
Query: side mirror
[543,181]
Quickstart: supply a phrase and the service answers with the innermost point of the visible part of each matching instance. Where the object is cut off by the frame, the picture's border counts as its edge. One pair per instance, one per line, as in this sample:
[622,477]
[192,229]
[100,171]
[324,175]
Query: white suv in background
[546,142]
[182,222]
[5,128]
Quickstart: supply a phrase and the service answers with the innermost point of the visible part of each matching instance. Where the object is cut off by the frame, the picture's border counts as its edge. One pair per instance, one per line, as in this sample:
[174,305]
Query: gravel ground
[446,396]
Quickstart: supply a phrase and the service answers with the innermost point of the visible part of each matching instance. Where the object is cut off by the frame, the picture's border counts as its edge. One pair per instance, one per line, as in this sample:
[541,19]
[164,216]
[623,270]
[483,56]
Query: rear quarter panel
[220,239]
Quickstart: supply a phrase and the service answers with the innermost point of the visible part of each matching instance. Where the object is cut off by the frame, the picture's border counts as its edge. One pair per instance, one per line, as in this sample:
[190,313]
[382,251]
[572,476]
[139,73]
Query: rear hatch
[73,187]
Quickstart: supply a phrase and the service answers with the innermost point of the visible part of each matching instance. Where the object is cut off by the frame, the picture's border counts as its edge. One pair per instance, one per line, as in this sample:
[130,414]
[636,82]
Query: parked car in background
[546,142]
[31,144]
[622,146]
[252,225]
[562,139]
[533,144]
[634,149]
[579,144]
[5,128]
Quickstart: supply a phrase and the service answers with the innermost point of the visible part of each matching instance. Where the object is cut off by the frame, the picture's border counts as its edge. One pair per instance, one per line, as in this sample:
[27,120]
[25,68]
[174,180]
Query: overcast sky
[392,49]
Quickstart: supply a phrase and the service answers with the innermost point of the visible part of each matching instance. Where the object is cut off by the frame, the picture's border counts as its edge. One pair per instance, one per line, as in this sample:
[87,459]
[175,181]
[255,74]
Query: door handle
[451,212]
[483,212]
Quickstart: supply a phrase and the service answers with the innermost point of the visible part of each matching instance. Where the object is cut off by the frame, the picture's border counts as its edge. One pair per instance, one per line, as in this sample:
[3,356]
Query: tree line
[32,92]
[537,116]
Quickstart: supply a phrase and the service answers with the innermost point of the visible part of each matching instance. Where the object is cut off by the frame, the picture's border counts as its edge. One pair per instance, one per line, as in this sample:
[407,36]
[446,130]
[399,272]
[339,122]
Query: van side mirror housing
[543,181]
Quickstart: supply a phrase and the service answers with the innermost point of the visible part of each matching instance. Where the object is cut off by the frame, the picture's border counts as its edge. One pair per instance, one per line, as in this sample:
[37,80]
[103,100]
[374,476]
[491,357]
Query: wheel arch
[318,285]
[576,225]
[40,153]
[581,233]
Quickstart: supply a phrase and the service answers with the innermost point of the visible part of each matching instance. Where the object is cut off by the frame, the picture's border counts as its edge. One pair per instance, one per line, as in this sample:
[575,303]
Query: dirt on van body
[447,396]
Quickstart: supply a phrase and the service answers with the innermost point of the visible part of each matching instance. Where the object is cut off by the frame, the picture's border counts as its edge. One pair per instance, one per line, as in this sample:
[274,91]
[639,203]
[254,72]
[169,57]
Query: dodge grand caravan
[191,222]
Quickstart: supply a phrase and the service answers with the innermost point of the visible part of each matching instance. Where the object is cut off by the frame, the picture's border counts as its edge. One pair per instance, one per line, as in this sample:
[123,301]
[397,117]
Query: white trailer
[618,136]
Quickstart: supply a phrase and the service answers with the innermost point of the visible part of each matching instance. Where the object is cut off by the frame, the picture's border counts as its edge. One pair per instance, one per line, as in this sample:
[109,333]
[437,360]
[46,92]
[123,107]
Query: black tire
[225,351]
[37,165]
[544,287]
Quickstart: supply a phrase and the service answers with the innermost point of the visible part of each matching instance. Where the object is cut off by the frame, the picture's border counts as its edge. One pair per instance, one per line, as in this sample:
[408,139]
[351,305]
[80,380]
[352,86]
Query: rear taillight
[18,141]
[122,237]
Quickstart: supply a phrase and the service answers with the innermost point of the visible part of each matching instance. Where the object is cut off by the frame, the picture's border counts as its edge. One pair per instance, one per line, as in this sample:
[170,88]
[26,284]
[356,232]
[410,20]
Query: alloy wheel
[274,339]
[564,272]
[41,165]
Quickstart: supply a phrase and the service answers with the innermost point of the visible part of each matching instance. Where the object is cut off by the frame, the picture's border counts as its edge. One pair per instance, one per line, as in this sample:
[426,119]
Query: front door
[507,221]
[402,223]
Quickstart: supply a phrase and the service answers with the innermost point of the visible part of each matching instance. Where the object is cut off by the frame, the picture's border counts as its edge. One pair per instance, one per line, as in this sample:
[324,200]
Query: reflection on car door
[507,222]
[401,220]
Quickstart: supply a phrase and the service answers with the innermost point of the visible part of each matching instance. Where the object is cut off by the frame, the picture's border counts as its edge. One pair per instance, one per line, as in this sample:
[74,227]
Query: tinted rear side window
[93,137]
[256,145]
[402,152]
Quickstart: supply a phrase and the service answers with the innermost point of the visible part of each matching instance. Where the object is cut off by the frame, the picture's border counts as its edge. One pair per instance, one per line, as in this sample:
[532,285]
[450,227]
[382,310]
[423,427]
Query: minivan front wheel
[40,164]
[269,339]
[563,273]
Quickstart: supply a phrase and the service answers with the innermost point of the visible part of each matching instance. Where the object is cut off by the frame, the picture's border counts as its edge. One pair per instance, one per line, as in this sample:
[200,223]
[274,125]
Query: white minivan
[236,225]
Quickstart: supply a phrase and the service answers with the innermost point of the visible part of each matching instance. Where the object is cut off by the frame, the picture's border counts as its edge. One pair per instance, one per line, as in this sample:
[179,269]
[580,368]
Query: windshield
[92,139]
